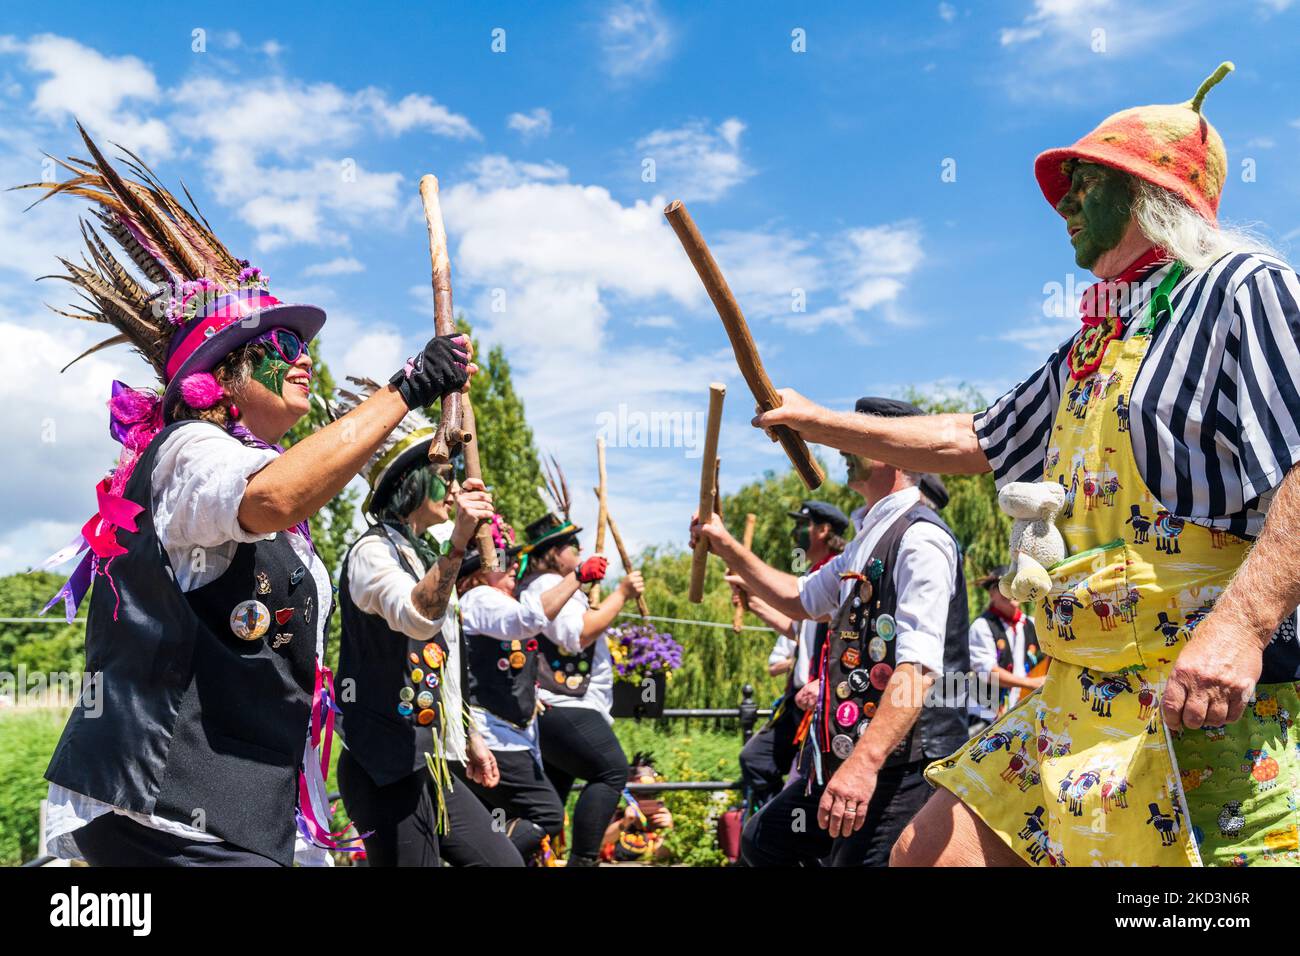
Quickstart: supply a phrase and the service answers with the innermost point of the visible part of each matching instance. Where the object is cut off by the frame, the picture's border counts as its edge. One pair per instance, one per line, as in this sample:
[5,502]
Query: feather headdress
[193,303]
[171,247]
[405,444]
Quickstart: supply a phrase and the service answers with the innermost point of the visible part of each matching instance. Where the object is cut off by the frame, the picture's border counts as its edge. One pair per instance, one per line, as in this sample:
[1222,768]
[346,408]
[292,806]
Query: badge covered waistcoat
[391,694]
[502,676]
[198,703]
[859,657]
[561,672]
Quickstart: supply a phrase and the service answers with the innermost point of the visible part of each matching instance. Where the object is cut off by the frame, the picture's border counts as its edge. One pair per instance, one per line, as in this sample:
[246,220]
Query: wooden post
[738,615]
[742,343]
[601,513]
[627,563]
[473,469]
[717,391]
[451,431]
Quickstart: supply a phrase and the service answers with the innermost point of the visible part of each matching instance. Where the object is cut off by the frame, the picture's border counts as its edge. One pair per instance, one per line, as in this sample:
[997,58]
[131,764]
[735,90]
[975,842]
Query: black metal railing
[748,714]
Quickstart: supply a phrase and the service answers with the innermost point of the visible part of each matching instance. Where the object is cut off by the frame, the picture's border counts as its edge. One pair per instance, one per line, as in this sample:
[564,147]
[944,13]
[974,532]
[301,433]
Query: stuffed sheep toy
[1036,544]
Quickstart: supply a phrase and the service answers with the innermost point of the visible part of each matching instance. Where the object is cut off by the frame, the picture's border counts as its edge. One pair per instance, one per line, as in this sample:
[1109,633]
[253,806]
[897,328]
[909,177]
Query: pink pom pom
[201,390]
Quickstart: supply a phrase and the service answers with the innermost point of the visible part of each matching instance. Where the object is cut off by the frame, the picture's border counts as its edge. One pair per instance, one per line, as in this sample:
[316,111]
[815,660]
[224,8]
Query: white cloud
[947,12]
[101,91]
[635,38]
[417,111]
[495,171]
[1059,40]
[532,125]
[343,265]
[300,185]
[696,162]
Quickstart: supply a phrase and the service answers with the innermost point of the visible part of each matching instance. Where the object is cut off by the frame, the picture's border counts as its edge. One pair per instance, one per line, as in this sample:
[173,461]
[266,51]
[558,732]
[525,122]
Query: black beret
[819,512]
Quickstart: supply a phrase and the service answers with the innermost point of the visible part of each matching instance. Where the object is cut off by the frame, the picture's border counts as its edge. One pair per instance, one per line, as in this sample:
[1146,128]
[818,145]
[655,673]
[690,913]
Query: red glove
[593,569]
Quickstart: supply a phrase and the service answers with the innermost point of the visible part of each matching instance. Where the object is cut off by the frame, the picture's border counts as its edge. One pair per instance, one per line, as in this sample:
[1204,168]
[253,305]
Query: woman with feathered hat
[405,722]
[202,737]
[1171,420]
[501,645]
[576,678]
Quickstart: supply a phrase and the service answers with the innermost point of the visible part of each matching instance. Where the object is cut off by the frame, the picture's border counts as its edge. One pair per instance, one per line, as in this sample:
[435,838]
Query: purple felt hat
[225,322]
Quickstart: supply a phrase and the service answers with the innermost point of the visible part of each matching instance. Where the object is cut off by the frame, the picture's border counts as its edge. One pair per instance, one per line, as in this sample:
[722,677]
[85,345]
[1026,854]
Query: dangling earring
[234,412]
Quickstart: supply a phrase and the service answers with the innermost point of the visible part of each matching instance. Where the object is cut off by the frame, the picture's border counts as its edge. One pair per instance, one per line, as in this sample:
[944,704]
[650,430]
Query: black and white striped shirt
[1215,409]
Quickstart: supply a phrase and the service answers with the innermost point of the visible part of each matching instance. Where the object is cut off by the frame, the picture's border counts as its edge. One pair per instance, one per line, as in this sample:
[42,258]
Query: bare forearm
[433,592]
[1267,588]
[781,623]
[302,480]
[553,601]
[945,444]
[777,588]
[596,620]
[780,667]
[900,706]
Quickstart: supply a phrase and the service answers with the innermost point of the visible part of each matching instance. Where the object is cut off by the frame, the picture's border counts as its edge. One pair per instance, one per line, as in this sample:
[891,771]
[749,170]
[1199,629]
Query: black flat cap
[819,512]
[931,485]
[885,407]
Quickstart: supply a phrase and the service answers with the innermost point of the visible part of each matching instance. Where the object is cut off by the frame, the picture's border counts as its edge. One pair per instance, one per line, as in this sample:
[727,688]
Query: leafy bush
[29,736]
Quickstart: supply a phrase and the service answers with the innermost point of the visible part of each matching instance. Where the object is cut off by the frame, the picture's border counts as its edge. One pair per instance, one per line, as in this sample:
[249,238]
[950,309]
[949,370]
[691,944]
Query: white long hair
[1173,225]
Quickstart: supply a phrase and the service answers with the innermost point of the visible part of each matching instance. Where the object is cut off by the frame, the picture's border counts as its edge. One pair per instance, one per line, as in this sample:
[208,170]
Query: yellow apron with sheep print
[1084,772]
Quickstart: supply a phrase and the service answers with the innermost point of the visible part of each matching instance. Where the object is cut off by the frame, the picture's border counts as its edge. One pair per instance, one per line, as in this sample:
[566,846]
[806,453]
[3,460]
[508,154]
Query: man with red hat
[1171,419]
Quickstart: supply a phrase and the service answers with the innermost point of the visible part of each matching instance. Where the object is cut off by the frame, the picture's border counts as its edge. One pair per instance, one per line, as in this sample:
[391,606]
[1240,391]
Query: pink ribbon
[311,790]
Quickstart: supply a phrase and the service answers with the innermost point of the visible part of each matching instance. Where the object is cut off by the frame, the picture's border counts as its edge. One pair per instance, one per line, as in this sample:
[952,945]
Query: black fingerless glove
[427,376]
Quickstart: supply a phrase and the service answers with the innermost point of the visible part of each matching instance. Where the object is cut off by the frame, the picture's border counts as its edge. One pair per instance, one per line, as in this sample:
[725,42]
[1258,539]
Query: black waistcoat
[389,686]
[184,719]
[502,675]
[859,660]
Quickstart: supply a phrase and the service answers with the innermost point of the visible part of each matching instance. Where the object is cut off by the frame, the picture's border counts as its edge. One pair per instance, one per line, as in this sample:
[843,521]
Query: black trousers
[767,756]
[524,801]
[785,832]
[579,744]
[401,821]
[114,840]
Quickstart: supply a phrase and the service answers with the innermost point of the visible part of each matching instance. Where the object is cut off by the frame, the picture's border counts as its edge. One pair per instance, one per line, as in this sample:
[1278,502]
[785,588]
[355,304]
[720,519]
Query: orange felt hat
[1172,146]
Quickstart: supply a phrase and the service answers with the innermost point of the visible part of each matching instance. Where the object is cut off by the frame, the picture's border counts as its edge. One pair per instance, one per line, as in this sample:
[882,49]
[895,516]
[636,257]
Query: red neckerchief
[1100,326]
[824,560]
[1009,621]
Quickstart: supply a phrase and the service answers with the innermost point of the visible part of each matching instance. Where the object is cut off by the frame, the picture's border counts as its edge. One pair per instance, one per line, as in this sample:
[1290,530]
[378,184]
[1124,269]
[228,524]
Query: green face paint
[271,371]
[1099,203]
[859,468]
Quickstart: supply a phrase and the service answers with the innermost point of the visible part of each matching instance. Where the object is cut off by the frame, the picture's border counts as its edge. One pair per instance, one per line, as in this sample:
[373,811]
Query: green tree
[506,449]
[48,647]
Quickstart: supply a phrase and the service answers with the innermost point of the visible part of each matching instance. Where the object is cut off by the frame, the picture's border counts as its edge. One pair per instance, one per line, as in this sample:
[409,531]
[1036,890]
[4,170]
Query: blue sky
[303,130]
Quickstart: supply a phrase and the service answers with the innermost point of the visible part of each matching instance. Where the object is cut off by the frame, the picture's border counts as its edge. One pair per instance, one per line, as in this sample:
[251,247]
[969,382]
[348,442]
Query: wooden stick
[487,548]
[451,431]
[601,513]
[627,563]
[742,343]
[738,615]
[717,391]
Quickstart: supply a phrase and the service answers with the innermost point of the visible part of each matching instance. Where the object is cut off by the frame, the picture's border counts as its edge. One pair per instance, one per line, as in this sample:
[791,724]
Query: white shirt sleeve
[380,585]
[819,592]
[199,480]
[782,650]
[983,649]
[924,580]
[487,612]
[566,629]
